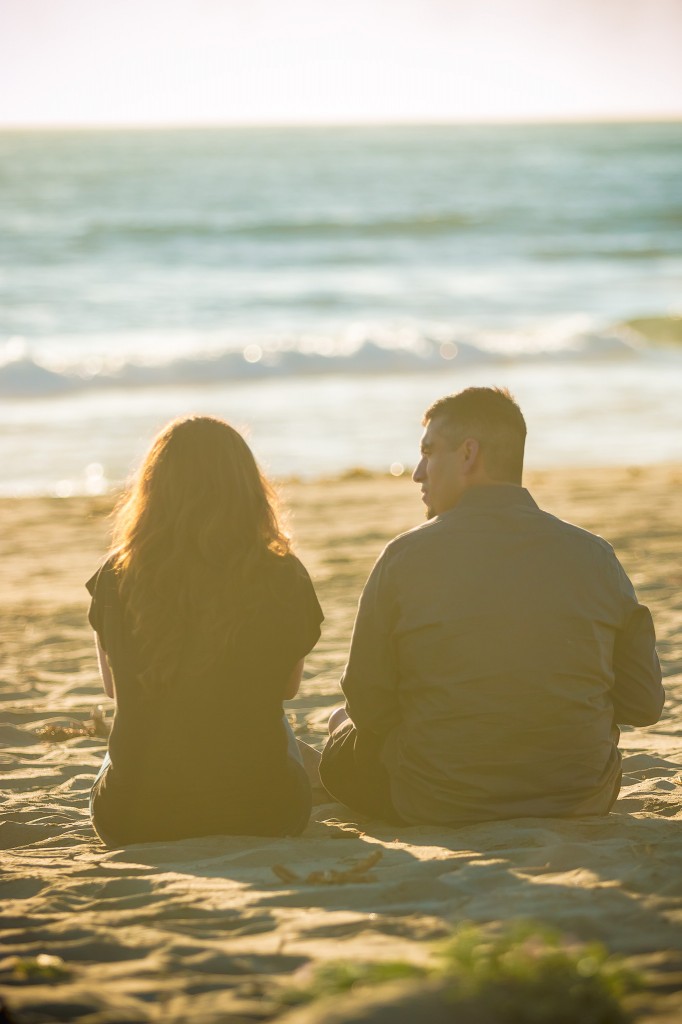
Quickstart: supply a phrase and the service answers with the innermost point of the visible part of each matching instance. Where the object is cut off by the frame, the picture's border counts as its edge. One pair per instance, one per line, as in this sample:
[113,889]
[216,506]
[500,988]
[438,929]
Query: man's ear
[471,450]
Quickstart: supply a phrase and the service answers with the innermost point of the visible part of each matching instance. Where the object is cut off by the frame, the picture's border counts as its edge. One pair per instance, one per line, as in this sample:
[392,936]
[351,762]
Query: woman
[203,617]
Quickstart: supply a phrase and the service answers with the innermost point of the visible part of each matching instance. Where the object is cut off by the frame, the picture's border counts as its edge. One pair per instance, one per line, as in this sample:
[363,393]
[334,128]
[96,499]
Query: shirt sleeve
[310,614]
[638,694]
[98,587]
[370,680]
[296,614]
[95,610]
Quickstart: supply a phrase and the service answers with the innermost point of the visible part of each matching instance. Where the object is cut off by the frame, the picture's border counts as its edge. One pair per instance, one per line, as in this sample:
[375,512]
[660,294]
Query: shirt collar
[496,496]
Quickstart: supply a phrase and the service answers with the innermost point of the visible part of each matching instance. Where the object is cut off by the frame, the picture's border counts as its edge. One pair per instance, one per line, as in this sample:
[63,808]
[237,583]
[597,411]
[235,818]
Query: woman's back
[199,744]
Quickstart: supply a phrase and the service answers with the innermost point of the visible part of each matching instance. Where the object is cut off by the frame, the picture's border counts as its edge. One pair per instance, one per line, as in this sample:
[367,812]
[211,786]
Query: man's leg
[337,718]
[351,770]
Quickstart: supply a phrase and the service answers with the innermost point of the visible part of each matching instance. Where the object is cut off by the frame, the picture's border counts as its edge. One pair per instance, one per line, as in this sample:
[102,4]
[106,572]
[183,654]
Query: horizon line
[492,121]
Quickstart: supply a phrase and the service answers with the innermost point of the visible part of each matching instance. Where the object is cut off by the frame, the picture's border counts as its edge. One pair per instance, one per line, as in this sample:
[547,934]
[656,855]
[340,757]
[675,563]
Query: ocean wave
[657,330]
[23,375]
[422,224]
[611,255]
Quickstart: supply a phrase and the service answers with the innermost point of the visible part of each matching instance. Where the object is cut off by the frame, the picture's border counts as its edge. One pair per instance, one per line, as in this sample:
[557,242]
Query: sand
[204,930]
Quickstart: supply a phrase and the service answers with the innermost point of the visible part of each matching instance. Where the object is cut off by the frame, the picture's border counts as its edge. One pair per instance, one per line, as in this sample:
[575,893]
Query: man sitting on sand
[496,648]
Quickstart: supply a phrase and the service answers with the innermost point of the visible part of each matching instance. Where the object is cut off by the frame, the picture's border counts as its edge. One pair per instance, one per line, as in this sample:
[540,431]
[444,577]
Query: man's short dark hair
[493,418]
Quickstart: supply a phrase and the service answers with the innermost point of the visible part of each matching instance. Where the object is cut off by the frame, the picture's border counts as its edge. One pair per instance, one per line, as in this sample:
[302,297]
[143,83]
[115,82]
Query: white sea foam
[24,374]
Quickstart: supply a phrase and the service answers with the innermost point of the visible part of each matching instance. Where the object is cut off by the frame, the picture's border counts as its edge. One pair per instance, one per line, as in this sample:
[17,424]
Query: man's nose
[418,474]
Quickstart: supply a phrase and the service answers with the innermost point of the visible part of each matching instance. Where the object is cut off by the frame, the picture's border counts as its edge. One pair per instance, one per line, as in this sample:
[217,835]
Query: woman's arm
[294,680]
[105,671]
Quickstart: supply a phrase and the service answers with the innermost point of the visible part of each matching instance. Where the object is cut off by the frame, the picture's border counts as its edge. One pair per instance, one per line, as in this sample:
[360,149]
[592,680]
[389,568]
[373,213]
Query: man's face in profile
[439,471]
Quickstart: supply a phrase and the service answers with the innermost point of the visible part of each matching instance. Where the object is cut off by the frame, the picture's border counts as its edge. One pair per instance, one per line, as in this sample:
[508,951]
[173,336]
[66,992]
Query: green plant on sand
[40,968]
[530,974]
[525,974]
[337,976]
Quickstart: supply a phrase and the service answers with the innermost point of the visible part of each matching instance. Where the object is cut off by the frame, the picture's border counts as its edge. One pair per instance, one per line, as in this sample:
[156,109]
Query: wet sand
[204,929]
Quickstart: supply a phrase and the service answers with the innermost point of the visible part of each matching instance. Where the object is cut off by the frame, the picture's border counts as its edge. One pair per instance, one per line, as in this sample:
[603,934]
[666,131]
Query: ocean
[319,287]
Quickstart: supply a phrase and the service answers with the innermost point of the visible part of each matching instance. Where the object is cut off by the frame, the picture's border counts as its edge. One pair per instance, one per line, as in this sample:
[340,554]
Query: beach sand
[204,930]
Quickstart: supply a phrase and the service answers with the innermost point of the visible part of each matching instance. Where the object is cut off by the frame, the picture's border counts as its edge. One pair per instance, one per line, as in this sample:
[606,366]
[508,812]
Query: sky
[167,62]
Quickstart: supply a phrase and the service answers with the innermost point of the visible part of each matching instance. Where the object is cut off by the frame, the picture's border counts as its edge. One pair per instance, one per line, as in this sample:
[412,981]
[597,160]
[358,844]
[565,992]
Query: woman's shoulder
[296,588]
[103,589]
[290,579]
[104,575]
[287,568]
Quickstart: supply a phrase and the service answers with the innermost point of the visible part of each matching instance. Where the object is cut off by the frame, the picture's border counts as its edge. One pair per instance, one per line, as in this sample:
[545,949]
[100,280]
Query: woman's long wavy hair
[191,539]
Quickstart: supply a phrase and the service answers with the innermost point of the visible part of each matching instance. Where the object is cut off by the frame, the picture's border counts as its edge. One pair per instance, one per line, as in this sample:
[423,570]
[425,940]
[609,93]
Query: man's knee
[337,718]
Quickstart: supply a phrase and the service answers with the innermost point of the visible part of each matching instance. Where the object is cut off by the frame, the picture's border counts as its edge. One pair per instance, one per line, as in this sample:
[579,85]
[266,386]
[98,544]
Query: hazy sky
[193,61]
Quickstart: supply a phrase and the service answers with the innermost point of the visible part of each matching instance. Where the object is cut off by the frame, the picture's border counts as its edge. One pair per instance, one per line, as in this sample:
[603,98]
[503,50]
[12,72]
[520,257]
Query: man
[495,650]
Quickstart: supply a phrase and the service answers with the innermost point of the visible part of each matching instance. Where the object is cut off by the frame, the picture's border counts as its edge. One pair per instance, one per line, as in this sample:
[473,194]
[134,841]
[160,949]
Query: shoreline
[531,477]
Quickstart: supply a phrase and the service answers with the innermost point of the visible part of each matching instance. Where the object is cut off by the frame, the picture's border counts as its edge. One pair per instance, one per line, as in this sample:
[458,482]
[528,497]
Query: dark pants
[351,771]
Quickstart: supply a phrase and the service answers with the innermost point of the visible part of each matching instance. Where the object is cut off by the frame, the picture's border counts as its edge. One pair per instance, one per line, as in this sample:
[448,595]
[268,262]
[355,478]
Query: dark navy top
[207,754]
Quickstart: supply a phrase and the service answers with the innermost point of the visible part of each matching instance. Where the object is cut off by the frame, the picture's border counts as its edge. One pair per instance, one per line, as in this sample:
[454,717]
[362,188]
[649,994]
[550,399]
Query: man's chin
[430,514]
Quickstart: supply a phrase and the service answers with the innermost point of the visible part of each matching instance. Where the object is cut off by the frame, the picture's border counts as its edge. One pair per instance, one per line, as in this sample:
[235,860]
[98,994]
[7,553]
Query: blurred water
[323,285]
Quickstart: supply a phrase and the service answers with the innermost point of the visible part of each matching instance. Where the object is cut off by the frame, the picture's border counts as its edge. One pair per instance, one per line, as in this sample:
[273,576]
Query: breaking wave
[25,375]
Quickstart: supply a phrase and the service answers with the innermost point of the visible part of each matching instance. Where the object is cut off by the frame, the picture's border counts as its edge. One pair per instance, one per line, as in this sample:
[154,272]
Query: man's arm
[638,694]
[370,680]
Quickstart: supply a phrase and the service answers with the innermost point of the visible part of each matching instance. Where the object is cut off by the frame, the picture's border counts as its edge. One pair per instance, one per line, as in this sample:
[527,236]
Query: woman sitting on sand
[203,617]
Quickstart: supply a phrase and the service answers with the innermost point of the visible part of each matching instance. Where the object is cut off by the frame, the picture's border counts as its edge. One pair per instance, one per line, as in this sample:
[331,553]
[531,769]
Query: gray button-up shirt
[495,650]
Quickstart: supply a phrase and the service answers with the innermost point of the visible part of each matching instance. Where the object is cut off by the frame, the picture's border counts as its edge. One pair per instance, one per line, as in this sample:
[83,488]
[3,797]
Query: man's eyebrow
[425,447]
